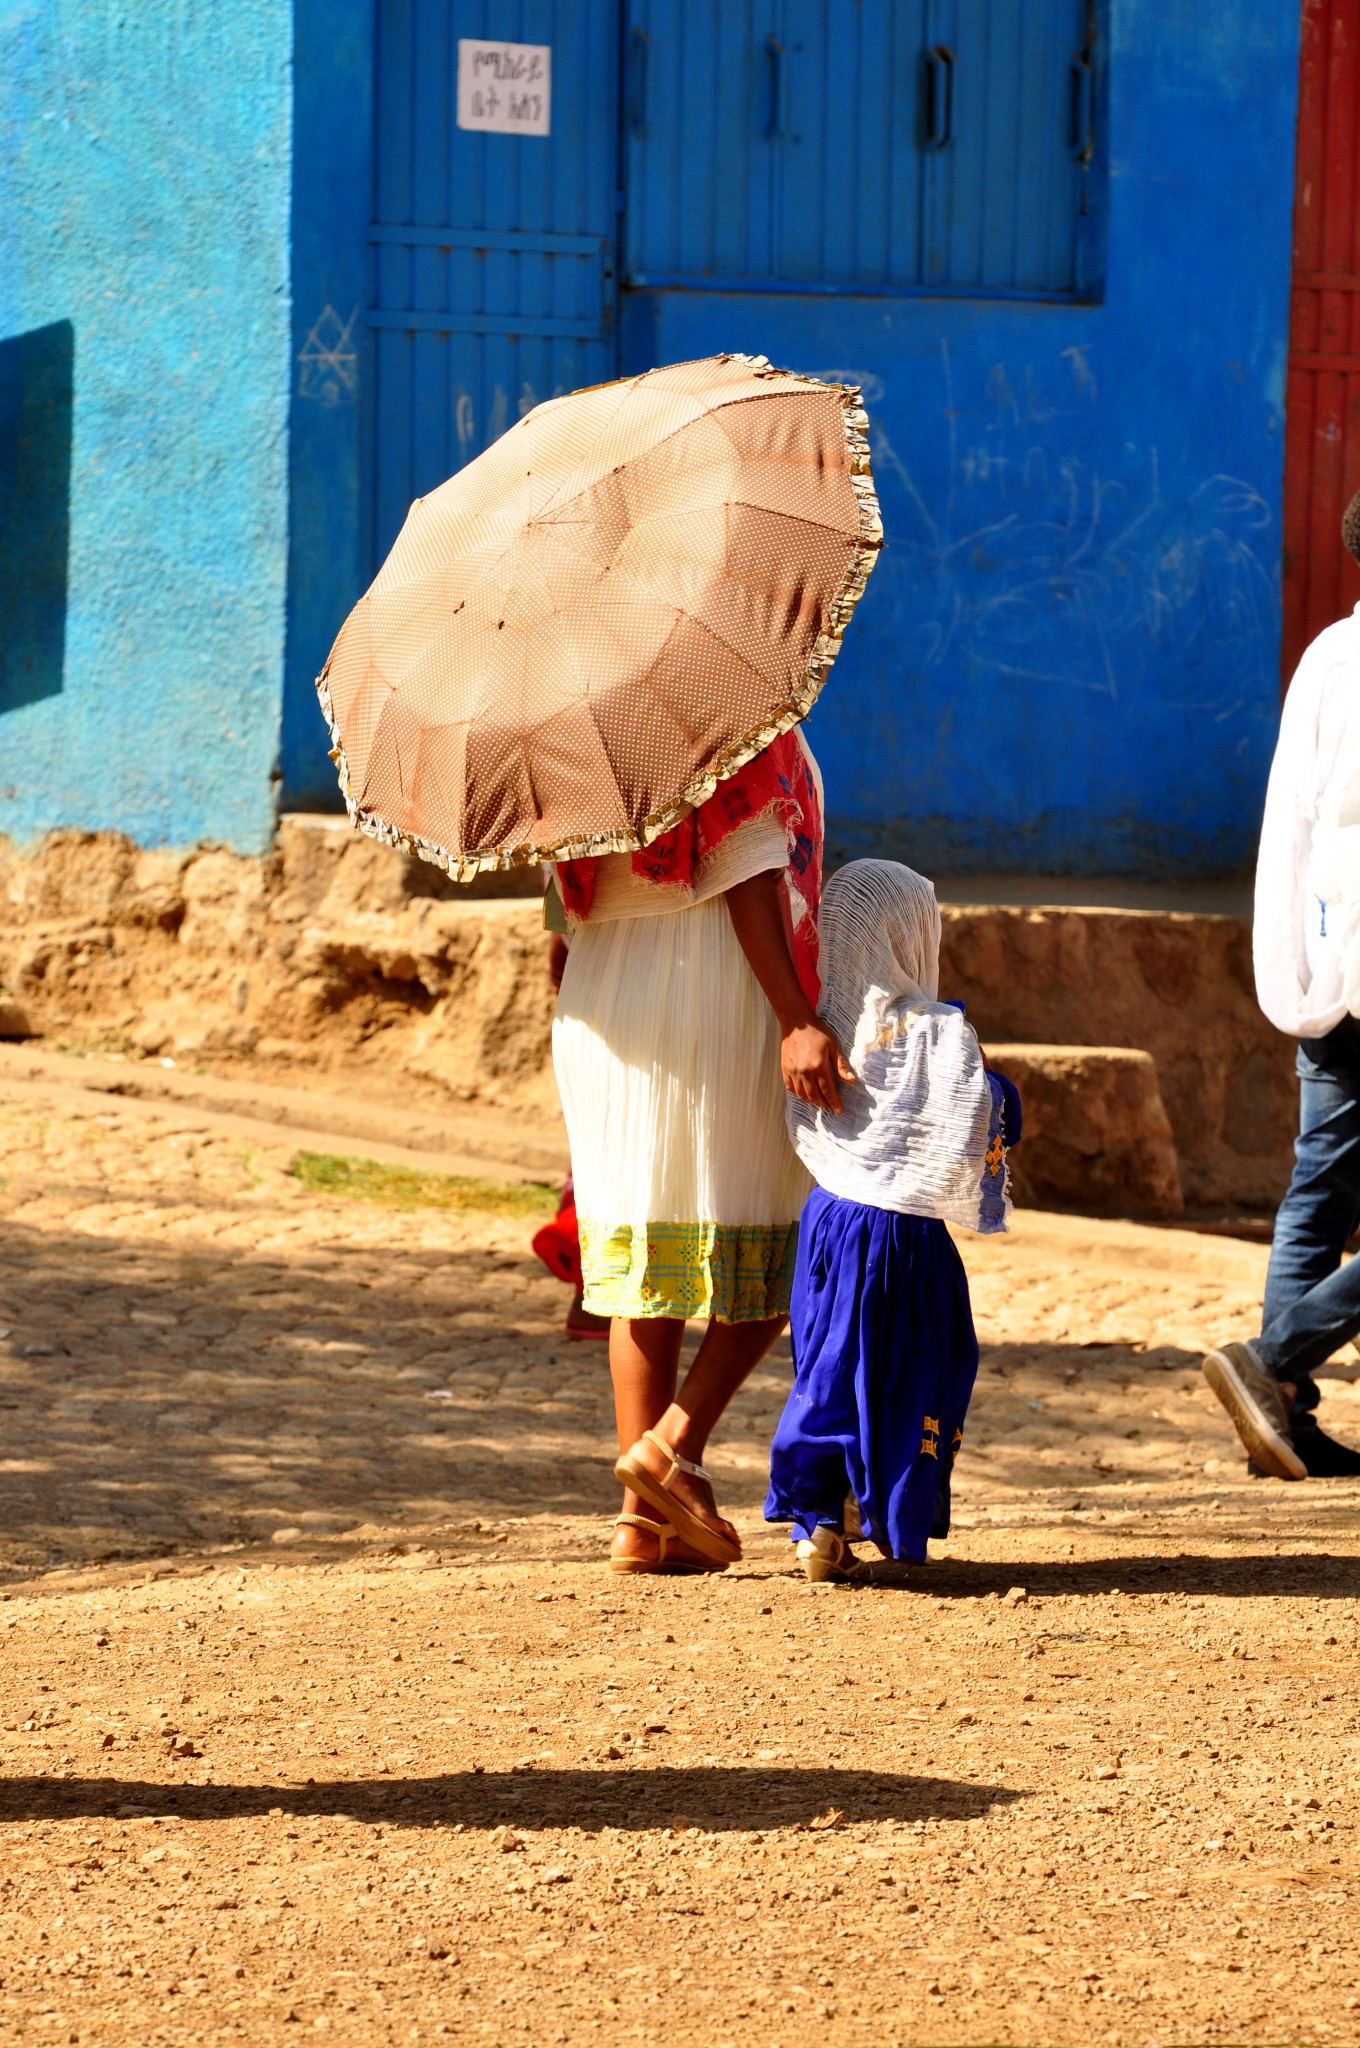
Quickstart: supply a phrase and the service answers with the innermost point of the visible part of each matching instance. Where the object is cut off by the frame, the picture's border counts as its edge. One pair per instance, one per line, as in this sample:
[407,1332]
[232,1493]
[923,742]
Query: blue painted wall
[1067,658]
[144,166]
[328,562]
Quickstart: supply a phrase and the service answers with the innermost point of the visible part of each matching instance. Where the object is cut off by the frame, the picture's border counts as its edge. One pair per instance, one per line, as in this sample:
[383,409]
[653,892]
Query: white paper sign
[504,88]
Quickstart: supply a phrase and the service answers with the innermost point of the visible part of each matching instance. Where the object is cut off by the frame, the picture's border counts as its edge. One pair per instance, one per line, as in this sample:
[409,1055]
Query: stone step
[1097,1136]
[1175,984]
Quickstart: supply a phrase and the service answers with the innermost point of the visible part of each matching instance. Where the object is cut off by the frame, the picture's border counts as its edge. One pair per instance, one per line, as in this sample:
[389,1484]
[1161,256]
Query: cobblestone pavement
[320,1711]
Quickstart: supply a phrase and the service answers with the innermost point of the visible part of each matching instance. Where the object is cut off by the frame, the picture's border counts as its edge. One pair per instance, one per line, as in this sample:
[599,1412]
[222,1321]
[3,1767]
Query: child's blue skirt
[885,1357]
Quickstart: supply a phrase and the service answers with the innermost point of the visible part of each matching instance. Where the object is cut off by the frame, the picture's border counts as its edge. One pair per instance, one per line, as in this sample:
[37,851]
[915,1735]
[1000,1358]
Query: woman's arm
[809,1056]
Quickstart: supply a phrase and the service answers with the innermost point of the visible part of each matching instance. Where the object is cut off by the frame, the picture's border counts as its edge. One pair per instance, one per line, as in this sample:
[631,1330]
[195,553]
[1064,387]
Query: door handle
[1082,133]
[637,81]
[939,96]
[774,81]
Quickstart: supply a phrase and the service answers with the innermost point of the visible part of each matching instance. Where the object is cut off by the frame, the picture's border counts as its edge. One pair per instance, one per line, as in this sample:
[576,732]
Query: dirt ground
[320,1711]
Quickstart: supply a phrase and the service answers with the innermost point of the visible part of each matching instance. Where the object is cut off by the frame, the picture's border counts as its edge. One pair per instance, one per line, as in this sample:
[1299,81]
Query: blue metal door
[882,147]
[493,252]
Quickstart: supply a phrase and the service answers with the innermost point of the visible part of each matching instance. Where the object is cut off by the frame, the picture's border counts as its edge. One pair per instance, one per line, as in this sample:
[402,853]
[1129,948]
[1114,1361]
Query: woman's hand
[812,1063]
[809,1057]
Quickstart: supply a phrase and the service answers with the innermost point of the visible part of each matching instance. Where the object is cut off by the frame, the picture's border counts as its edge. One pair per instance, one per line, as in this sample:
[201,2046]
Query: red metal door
[1322,404]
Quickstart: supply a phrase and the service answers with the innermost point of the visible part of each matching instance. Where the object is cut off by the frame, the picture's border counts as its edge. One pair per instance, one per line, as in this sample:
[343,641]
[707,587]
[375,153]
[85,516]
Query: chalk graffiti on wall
[1068,577]
[329,361]
[470,440]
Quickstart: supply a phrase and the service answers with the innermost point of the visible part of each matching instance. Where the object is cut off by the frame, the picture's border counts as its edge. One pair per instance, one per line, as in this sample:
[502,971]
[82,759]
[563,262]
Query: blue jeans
[1312,1303]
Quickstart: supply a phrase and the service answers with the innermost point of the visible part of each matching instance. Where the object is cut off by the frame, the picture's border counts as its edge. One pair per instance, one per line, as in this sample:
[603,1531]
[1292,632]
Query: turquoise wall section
[144,224]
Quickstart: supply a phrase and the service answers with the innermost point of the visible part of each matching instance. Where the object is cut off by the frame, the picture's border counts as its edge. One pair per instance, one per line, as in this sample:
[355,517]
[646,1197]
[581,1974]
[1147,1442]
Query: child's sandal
[826,1555]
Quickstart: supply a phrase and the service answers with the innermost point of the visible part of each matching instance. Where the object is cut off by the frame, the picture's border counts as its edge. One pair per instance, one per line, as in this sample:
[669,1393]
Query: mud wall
[327,952]
[331,950]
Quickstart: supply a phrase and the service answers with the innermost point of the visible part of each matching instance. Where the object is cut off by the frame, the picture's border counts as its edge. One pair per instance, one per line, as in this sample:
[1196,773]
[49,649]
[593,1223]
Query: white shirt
[1299,965]
[753,849]
[759,844]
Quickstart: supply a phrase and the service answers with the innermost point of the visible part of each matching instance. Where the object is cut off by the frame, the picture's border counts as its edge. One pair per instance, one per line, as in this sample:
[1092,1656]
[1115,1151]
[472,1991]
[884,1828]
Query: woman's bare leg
[644,1363]
[723,1363]
[728,1355]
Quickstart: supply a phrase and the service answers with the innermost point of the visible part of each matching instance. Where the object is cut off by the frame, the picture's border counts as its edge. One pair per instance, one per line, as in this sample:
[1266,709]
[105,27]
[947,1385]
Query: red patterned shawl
[779,779]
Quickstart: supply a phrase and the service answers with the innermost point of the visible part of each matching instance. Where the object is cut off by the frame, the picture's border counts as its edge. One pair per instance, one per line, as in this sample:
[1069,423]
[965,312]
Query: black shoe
[1323,1456]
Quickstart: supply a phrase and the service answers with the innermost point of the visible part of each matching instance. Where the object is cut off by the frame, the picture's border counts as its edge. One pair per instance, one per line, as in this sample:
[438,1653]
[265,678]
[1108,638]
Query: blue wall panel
[804,142]
[1067,657]
[144,162]
[1066,660]
[331,200]
[493,257]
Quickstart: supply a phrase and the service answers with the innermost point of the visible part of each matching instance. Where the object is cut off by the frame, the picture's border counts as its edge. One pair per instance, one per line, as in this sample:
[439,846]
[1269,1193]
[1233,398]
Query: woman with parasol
[594,646]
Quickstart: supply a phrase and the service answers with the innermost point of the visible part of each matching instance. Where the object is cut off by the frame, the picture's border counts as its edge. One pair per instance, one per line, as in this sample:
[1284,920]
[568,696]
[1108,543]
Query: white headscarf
[920,1119]
[878,945]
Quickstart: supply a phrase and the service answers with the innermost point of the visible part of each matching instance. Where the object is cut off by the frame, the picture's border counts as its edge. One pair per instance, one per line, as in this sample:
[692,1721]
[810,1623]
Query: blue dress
[885,1356]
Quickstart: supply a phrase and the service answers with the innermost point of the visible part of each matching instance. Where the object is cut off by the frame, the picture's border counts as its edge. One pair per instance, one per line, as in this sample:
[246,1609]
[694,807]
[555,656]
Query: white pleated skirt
[667,1058]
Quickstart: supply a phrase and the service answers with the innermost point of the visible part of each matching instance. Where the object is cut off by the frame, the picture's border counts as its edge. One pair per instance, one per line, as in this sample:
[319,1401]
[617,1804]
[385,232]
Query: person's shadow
[1314,1575]
[710,1797]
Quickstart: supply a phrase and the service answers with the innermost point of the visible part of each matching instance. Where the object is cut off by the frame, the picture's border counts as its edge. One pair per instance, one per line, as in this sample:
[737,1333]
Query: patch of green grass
[402,1187]
[102,1045]
[251,1170]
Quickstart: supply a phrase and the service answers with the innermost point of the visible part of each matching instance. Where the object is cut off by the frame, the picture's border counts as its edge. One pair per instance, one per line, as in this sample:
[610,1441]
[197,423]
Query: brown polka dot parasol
[621,601]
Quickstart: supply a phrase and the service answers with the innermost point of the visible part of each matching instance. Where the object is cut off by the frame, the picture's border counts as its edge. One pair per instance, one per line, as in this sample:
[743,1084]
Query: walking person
[682,1018]
[590,647]
[884,1349]
[558,1243]
[1307,911]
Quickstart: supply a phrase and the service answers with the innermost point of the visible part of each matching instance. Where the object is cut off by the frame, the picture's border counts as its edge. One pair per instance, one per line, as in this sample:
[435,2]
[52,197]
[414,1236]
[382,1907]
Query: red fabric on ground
[558,1243]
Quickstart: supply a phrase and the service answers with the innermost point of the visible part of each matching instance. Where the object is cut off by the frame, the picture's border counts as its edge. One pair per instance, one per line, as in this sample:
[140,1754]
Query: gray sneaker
[1256,1404]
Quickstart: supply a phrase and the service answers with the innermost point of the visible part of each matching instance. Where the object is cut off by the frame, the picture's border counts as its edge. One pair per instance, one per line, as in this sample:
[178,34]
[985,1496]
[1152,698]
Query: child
[884,1349]
[558,1243]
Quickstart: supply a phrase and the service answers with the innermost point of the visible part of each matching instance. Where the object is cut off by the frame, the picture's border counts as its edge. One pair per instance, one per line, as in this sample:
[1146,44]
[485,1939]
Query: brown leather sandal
[691,1528]
[662,1563]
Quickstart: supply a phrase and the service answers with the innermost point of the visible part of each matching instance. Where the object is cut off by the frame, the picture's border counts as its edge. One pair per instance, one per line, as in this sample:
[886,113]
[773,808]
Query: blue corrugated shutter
[884,146]
[493,255]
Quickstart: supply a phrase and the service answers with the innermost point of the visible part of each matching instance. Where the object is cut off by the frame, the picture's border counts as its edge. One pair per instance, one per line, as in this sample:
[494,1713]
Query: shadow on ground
[1315,1576]
[170,1397]
[174,1396]
[164,1398]
[708,1797]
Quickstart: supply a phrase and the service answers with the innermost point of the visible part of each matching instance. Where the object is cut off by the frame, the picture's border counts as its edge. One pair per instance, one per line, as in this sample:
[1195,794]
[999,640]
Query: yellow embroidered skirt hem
[732,1272]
